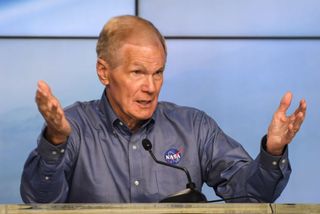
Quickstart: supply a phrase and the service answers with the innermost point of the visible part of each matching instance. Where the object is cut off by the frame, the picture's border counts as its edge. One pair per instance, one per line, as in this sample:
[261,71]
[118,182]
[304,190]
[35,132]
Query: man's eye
[158,74]
[136,72]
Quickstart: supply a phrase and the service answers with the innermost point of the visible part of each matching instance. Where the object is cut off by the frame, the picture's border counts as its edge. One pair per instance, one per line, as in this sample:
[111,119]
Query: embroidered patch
[173,156]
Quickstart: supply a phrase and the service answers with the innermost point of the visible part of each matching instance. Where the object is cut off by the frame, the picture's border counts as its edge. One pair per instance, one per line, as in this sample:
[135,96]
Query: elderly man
[92,152]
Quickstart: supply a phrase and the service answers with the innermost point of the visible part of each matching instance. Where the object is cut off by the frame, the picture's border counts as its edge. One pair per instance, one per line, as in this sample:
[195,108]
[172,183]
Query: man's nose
[149,84]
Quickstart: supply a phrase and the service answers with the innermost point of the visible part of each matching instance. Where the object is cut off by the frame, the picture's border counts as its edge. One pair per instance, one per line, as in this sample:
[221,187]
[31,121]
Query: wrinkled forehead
[141,45]
[143,49]
[143,39]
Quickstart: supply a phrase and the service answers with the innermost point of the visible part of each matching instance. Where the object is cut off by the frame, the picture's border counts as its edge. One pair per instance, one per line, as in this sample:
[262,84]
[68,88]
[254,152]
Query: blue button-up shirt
[103,161]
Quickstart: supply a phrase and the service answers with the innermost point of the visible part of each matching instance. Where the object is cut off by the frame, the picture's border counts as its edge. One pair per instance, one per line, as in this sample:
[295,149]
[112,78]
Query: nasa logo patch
[173,156]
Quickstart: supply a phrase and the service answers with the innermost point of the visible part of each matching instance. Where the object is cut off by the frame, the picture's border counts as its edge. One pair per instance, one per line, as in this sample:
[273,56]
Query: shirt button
[62,150]
[283,161]
[54,152]
[134,147]
[136,183]
[120,123]
[46,178]
[274,163]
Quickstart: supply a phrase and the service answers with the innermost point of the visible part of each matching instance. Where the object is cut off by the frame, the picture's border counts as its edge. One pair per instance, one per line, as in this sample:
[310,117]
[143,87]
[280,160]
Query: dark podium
[158,208]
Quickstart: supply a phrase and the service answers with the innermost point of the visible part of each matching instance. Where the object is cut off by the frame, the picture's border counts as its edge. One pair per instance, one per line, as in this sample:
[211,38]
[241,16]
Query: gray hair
[117,30]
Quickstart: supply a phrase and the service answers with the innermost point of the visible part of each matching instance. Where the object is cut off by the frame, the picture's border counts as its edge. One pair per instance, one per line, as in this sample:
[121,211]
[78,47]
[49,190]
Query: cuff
[269,161]
[48,151]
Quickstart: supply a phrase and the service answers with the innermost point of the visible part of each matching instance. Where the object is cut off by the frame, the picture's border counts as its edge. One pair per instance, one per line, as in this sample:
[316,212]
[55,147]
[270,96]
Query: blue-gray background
[239,82]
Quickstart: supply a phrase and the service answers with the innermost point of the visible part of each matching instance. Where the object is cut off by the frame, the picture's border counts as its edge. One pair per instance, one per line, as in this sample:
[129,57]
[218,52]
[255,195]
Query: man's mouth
[144,103]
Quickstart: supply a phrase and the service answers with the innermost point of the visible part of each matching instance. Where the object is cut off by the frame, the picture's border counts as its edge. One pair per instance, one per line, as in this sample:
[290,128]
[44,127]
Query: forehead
[136,54]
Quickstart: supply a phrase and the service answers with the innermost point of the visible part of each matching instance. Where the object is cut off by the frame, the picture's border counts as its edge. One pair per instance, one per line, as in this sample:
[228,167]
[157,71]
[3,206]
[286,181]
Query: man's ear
[103,71]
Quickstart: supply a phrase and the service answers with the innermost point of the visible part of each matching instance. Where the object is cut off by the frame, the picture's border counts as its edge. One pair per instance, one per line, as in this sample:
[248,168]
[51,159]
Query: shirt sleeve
[46,172]
[230,170]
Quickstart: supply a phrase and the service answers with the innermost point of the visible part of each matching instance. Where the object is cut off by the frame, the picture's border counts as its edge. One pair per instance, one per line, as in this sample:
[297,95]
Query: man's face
[134,85]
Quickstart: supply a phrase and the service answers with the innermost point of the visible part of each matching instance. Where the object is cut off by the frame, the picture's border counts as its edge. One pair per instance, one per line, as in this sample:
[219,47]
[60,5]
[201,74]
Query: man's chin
[142,115]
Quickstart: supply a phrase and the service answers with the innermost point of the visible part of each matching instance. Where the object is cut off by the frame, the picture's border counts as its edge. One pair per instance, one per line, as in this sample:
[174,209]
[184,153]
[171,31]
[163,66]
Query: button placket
[274,163]
[135,165]
[136,183]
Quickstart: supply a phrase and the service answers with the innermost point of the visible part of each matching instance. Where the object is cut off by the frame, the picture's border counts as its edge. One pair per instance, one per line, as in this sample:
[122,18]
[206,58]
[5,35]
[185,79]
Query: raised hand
[58,127]
[283,128]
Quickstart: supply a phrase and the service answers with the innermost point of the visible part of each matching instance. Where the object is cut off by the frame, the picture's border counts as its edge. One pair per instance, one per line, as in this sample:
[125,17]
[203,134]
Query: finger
[294,125]
[301,108]
[285,102]
[44,103]
[43,92]
[298,122]
[41,99]
[298,116]
[48,105]
[54,116]
[44,87]
[53,106]
[291,132]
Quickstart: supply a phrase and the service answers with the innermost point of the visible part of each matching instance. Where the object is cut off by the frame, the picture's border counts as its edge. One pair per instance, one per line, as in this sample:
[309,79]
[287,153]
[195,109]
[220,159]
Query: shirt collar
[108,114]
